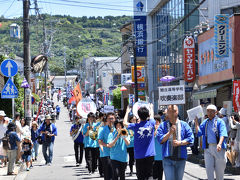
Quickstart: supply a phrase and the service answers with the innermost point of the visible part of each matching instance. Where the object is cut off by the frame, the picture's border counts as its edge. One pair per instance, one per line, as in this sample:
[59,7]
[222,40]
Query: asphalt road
[63,166]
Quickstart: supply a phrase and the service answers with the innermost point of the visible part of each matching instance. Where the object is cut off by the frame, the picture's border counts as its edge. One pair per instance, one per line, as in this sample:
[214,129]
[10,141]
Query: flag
[77,93]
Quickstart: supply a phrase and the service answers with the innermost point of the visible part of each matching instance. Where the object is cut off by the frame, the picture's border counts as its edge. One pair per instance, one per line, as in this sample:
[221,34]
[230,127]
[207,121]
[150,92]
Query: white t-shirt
[3,129]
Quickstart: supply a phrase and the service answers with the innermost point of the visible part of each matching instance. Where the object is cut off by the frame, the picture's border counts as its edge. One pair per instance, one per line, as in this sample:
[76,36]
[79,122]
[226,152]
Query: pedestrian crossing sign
[9,91]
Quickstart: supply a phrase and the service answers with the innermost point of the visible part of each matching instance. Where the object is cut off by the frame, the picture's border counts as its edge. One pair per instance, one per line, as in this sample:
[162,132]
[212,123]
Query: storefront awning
[208,92]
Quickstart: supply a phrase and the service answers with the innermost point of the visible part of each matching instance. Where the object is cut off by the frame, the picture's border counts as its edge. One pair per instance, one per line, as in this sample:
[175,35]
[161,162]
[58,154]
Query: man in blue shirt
[76,130]
[214,132]
[48,131]
[103,142]
[175,135]
[144,146]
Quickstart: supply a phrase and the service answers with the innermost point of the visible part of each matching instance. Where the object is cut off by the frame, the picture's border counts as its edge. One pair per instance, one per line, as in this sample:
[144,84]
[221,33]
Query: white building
[107,69]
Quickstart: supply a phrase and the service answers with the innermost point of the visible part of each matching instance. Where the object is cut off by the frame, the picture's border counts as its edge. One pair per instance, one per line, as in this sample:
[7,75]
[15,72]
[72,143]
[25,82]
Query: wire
[9,7]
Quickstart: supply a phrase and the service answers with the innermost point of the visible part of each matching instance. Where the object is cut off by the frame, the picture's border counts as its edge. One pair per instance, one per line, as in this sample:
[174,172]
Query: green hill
[81,36]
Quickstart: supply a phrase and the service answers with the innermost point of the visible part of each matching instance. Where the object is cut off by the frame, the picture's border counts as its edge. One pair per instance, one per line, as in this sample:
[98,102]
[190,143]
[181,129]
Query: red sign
[236,94]
[189,59]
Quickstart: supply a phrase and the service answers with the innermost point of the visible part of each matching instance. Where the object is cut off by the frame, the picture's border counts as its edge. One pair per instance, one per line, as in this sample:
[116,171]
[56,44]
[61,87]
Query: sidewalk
[199,159]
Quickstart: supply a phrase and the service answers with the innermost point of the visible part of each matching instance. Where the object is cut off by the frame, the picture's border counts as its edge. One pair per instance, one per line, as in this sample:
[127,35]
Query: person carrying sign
[214,132]
[174,135]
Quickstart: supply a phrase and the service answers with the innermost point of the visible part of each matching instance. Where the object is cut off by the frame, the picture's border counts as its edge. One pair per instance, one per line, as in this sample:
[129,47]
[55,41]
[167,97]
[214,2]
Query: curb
[198,160]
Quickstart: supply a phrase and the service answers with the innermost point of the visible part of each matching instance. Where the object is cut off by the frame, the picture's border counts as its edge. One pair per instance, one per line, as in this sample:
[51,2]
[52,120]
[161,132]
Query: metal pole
[135,71]
[95,81]
[45,53]
[27,69]
[65,68]
[13,102]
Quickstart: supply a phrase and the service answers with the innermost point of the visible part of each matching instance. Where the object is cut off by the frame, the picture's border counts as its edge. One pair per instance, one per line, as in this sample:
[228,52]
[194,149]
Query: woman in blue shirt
[90,145]
[130,147]
[157,164]
[118,150]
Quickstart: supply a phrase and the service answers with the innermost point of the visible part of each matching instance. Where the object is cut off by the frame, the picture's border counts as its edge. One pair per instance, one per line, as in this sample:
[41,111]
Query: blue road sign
[9,68]
[9,91]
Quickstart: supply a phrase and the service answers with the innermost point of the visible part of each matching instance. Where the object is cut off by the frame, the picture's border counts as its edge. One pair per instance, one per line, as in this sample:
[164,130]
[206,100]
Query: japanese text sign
[85,106]
[236,95]
[170,95]
[140,31]
[140,73]
[221,33]
[125,78]
[189,59]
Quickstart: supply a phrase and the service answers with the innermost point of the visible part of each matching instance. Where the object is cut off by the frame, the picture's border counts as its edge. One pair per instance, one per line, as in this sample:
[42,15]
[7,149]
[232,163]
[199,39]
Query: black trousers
[107,168]
[157,170]
[118,169]
[144,168]
[99,162]
[195,145]
[78,148]
[131,158]
[91,158]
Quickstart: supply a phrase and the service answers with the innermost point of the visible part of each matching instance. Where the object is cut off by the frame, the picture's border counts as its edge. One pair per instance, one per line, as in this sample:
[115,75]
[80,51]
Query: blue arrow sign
[9,68]
[9,91]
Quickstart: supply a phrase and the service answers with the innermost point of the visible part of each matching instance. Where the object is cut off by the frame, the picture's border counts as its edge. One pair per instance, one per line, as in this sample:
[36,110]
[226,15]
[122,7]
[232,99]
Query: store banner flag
[77,93]
[221,35]
[171,95]
[236,95]
[189,59]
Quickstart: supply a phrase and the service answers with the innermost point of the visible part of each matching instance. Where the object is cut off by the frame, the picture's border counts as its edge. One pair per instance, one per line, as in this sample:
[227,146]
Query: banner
[236,95]
[221,34]
[77,93]
[171,95]
[131,99]
[108,109]
[140,73]
[189,59]
[85,106]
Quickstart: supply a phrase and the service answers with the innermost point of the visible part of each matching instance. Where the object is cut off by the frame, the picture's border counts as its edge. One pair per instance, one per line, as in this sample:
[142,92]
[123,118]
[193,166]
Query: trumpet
[123,132]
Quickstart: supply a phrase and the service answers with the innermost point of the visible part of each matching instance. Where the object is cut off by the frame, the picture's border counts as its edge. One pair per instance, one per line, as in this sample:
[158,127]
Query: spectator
[14,146]
[235,124]
[58,109]
[26,151]
[3,129]
[34,136]
[25,129]
[48,131]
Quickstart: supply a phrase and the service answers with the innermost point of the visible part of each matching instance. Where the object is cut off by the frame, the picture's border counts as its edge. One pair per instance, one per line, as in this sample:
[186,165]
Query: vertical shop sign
[236,95]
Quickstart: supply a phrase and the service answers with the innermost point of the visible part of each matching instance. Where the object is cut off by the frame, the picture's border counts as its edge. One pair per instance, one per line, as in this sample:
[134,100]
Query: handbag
[39,140]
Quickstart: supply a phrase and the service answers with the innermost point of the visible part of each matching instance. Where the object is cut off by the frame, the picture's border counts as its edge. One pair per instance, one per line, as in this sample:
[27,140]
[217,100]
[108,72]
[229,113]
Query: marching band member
[174,135]
[157,164]
[130,147]
[117,142]
[103,140]
[144,150]
[76,130]
[214,132]
[90,145]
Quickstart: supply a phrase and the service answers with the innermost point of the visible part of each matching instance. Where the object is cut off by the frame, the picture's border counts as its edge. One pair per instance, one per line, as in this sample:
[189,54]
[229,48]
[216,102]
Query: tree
[117,98]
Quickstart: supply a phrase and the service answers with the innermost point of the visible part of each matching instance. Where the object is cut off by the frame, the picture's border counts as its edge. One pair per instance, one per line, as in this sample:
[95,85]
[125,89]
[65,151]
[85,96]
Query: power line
[9,7]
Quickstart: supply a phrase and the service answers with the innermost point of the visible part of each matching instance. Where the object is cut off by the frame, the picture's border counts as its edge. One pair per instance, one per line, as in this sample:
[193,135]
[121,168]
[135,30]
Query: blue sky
[78,8]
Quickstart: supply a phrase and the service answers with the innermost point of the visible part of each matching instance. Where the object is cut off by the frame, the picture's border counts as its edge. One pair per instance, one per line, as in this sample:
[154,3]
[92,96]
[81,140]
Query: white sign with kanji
[170,95]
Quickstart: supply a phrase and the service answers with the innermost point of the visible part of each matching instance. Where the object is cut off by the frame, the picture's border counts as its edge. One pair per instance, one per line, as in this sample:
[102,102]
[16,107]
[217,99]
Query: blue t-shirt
[131,135]
[103,135]
[88,142]
[80,136]
[13,139]
[99,131]
[158,150]
[144,145]
[119,151]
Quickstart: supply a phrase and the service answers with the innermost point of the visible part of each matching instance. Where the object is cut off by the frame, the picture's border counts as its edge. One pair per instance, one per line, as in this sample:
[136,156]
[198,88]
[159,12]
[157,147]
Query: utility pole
[65,68]
[135,70]
[27,68]
[95,81]
[45,53]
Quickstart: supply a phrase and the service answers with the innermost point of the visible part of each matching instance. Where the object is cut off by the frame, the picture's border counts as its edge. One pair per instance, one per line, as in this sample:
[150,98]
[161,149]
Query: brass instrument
[76,132]
[131,133]
[93,134]
[123,132]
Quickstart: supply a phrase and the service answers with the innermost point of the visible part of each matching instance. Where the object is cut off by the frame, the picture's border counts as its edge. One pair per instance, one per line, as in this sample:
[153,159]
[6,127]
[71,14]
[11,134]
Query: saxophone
[93,134]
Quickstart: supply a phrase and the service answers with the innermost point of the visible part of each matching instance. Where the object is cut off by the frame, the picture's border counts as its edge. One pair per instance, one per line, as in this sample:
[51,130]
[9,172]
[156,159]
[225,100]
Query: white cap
[223,111]
[212,107]
[2,113]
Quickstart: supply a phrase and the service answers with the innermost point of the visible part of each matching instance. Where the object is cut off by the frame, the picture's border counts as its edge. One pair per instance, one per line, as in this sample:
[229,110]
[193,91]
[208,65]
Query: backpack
[6,142]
